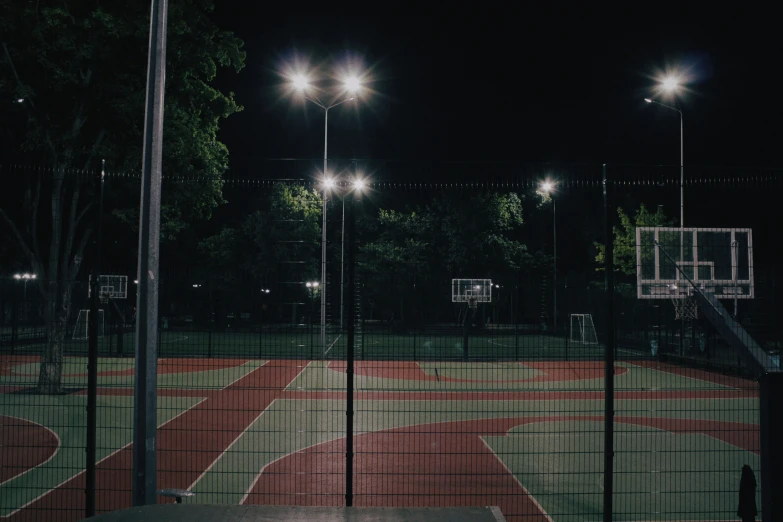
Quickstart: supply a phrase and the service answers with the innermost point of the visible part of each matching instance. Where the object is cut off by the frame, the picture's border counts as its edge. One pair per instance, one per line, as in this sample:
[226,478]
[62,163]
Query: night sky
[514,86]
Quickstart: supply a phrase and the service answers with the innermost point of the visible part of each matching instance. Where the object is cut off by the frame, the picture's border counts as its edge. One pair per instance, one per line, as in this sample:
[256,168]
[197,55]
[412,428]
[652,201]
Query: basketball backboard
[717,260]
[113,286]
[463,290]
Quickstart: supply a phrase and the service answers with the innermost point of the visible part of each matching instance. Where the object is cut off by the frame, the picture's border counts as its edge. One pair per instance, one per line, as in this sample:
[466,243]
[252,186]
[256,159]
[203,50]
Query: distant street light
[312,286]
[25,277]
[358,185]
[351,84]
[548,187]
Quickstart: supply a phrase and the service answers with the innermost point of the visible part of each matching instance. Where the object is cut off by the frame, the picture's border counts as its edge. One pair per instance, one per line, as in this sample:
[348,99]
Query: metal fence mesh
[500,405]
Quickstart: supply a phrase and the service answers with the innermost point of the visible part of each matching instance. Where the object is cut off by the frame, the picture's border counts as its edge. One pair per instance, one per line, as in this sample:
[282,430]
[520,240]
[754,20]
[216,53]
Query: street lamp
[548,188]
[671,85]
[312,286]
[25,277]
[351,84]
[358,185]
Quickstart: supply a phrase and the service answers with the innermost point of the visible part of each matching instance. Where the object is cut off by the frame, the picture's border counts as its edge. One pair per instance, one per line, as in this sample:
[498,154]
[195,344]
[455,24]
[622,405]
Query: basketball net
[685,308]
[472,303]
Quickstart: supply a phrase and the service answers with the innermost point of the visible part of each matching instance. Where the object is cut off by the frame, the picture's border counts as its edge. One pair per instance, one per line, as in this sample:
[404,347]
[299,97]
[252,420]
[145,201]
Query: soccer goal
[583,329]
[80,331]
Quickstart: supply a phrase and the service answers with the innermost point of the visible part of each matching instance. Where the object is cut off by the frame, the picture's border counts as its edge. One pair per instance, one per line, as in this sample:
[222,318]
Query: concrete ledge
[208,513]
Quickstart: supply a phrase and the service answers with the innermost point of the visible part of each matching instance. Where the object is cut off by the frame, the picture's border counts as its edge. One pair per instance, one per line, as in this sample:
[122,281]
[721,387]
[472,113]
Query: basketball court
[449,416]
[525,436]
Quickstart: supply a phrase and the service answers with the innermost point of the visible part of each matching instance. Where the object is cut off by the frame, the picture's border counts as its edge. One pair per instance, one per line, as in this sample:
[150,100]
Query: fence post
[351,333]
[14,320]
[92,356]
[770,431]
[609,349]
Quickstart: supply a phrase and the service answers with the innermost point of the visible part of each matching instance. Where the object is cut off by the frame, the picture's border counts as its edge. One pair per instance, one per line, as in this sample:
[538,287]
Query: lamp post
[352,85]
[682,160]
[548,188]
[312,286]
[671,85]
[25,277]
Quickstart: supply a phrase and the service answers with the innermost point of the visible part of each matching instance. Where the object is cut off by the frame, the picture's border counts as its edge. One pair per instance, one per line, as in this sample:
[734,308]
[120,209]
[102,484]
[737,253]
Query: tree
[399,253]
[625,238]
[78,73]
[281,242]
[415,253]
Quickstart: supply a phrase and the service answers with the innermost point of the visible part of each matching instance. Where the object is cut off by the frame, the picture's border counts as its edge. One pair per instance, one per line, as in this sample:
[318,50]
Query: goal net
[583,329]
[80,331]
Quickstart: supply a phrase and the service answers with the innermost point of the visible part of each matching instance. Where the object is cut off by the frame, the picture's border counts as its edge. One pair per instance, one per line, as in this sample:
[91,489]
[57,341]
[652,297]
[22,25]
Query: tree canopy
[456,236]
[73,83]
[625,237]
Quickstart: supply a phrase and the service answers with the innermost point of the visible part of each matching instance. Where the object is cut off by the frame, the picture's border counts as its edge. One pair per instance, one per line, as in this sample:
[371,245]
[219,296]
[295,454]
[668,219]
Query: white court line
[535,502]
[229,446]
[184,338]
[303,368]
[42,463]
[330,346]
[96,464]
[245,375]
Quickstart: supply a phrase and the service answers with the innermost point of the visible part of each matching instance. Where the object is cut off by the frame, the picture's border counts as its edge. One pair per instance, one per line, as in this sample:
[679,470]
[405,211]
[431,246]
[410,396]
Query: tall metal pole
[146,372]
[682,225]
[92,358]
[350,354]
[554,264]
[608,352]
[323,246]
[682,176]
[342,265]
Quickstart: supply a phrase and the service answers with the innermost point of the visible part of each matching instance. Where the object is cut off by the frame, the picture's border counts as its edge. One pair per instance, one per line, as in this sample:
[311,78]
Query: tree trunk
[56,311]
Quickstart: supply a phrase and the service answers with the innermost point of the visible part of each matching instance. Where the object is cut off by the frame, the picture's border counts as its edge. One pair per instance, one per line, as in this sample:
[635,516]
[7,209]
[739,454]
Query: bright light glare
[670,84]
[648,100]
[20,100]
[308,284]
[17,276]
[328,183]
[359,184]
[315,283]
[353,84]
[300,82]
[547,187]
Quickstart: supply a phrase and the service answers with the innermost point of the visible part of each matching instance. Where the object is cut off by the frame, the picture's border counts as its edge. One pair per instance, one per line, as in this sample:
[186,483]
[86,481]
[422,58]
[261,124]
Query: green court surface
[526,436]
[305,343]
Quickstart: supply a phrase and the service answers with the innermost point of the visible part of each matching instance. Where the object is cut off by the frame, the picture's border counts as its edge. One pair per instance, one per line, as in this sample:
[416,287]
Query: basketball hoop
[685,308]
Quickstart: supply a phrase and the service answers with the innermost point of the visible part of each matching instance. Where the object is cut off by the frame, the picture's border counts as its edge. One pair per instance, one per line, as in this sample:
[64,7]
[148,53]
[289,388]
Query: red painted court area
[23,446]
[425,464]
